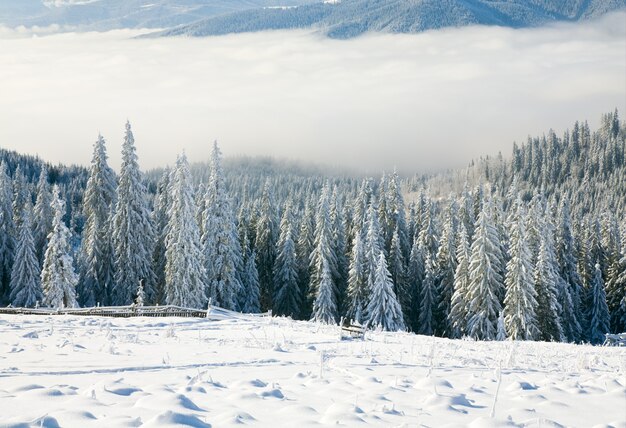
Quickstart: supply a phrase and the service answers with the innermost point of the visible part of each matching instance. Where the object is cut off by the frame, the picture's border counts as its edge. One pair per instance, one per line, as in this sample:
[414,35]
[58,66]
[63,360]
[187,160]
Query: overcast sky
[415,102]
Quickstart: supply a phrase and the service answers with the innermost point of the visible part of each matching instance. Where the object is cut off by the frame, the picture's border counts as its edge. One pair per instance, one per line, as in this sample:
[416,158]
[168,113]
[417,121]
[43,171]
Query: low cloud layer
[415,102]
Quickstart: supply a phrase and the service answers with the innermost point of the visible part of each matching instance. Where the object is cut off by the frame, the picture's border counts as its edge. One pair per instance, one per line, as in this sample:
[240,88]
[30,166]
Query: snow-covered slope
[86,371]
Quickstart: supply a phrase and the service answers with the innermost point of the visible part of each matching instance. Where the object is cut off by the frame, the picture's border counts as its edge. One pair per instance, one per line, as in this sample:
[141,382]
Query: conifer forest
[529,245]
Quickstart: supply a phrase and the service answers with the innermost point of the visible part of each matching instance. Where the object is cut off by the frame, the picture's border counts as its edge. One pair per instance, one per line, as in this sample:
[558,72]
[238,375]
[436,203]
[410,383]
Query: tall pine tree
[599,311]
[287,300]
[185,276]
[25,276]
[7,232]
[58,278]
[485,282]
[520,303]
[132,231]
[220,240]
[383,309]
[96,256]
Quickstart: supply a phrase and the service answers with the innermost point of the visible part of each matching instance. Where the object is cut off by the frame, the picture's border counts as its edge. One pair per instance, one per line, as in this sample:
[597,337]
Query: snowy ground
[108,372]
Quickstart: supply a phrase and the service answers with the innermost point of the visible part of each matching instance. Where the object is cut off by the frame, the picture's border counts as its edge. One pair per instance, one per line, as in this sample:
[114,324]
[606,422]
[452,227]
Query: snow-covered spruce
[485,281]
[132,231]
[7,232]
[459,306]
[599,311]
[383,310]
[357,283]
[571,314]
[322,259]
[287,300]
[428,300]
[548,307]
[185,276]
[520,303]
[96,256]
[266,236]
[325,305]
[444,270]
[250,296]
[222,250]
[58,278]
[25,276]
[42,214]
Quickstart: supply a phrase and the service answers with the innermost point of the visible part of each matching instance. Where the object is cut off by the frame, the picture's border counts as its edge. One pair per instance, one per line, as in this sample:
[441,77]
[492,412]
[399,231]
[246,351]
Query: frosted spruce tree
[622,282]
[415,277]
[599,313]
[160,220]
[427,237]
[459,306]
[132,231]
[25,276]
[42,215]
[96,255]
[339,244]
[384,215]
[360,207]
[485,282]
[7,232]
[185,275]
[357,283]
[325,305]
[373,244]
[466,212]
[501,329]
[616,264]
[520,320]
[616,294]
[304,248]
[566,259]
[323,253]
[444,270]
[220,240]
[548,307]
[383,310]
[266,235]
[250,295]
[427,301]
[21,194]
[287,300]
[58,278]
[397,213]
[397,269]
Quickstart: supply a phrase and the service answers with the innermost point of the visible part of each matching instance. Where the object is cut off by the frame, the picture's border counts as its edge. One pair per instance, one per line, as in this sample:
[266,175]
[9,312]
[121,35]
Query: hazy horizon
[416,102]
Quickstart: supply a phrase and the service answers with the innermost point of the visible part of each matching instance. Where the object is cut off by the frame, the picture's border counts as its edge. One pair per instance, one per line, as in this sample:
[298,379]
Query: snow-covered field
[108,372]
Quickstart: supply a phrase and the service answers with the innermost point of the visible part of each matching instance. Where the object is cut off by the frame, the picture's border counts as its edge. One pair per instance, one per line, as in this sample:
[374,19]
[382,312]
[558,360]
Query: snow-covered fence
[213,313]
[615,339]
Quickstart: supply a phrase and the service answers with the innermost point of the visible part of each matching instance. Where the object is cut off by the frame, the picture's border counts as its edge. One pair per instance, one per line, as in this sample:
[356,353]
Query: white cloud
[411,101]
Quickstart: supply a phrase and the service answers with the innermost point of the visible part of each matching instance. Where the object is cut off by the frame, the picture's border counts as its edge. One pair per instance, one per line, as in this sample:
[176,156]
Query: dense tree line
[530,248]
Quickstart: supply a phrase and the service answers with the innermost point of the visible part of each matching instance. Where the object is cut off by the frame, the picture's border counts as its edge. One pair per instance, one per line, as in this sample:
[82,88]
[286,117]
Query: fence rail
[213,312]
[615,339]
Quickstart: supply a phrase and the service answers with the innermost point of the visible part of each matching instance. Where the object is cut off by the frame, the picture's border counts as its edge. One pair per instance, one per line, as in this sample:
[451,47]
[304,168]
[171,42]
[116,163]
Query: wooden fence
[212,312]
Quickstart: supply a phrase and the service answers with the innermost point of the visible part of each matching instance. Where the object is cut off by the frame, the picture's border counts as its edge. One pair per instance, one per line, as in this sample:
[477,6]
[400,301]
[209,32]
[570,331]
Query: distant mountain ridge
[350,18]
[103,15]
[335,18]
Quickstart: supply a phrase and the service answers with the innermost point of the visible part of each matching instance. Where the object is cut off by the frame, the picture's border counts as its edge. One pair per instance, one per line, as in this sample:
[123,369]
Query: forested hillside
[527,246]
[350,18]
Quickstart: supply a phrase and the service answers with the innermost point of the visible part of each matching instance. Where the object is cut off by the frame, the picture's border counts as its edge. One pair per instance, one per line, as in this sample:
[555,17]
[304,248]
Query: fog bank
[415,102]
